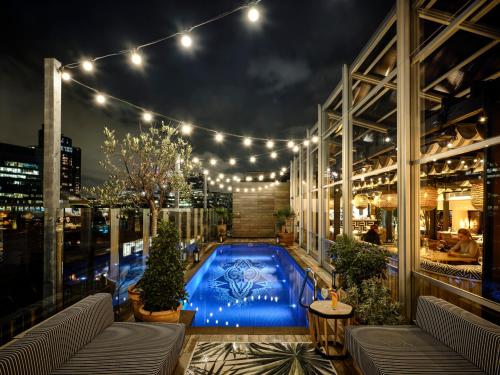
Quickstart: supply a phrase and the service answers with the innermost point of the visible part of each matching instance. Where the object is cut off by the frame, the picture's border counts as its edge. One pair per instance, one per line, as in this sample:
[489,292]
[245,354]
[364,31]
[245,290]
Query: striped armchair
[445,340]
[84,339]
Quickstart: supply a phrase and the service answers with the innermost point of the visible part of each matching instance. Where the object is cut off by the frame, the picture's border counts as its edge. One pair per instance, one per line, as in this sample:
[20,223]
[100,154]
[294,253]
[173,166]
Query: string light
[100,99]
[147,116]
[196,160]
[237,190]
[261,177]
[213,161]
[186,129]
[290,144]
[221,186]
[252,159]
[65,76]
[274,155]
[186,41]
[232,161]
[221,175]
[306,143]
[281,173]
[269,144]
[87,65]
[219,138]
[230,188]
[272,175]
[136,58]
[315,139]
[247,142]
[253,14]
[228,180]
[295,148]
[206,172]
[212,183]
[283,169]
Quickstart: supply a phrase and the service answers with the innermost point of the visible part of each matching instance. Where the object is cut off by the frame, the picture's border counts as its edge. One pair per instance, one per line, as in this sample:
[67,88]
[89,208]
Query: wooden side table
[319,313]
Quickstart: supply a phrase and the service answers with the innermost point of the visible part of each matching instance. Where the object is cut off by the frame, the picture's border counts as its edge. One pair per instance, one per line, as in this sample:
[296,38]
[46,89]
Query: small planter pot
[134,297]
[286,238]
[169,316]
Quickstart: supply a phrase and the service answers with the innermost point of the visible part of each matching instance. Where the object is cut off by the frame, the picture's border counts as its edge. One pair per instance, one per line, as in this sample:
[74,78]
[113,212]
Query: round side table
[320,312]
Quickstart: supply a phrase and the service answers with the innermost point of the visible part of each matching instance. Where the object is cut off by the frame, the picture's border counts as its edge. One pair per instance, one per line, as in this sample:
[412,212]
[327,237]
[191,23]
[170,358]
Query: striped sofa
[445,340]
[84,339]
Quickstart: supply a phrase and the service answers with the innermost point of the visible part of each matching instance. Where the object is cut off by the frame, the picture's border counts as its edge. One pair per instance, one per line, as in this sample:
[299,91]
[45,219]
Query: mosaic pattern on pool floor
[231,358]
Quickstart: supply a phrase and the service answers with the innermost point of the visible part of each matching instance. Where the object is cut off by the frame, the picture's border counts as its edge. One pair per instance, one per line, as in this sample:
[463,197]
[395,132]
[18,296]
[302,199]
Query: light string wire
[167,37]
[170,118]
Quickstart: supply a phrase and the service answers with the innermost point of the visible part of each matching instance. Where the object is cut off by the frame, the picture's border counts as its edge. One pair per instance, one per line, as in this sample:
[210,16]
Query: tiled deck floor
[214,334]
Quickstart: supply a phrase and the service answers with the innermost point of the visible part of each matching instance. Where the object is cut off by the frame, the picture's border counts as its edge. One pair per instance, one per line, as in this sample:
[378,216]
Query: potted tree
[222,216]
[163,286]
[284,223]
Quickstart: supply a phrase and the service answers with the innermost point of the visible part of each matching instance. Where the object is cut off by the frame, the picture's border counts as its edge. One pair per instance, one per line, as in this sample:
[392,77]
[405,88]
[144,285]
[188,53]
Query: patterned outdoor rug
[234,358]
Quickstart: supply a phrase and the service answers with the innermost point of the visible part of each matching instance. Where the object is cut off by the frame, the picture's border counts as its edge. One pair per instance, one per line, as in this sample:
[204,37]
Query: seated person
[372,235]
[466,246]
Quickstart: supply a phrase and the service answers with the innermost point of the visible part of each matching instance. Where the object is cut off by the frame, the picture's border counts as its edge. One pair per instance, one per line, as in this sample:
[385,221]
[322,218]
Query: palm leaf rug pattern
[233,358]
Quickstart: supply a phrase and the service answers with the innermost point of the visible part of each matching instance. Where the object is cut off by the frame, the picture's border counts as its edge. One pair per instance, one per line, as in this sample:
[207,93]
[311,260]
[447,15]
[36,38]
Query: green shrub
[356,261]
[373,304]
[163,286]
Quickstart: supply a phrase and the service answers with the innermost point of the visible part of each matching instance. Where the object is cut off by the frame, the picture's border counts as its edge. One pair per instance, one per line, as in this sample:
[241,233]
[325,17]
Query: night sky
[260,80]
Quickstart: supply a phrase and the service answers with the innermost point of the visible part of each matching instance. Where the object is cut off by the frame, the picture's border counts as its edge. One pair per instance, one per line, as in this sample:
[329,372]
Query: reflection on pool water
[248,285]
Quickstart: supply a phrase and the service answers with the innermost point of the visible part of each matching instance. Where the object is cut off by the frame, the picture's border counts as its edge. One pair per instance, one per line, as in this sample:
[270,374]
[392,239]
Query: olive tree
[148,166]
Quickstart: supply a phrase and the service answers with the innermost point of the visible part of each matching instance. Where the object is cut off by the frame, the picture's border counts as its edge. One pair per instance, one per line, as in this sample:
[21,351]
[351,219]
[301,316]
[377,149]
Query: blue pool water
[248,285]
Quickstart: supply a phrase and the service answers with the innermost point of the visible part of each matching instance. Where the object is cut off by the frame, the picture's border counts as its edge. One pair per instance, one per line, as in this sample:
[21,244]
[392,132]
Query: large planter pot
[169,316]
[135,299]
[286,238]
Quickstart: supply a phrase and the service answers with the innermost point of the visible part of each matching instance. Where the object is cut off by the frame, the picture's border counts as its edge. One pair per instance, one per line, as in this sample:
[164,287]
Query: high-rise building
[70,165]
[20,178]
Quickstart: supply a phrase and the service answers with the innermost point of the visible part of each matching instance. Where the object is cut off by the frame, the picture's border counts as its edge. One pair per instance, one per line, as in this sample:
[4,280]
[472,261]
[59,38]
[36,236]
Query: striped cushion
[73,328]
[26,356]
[403,350]
[129,348]
[469,335]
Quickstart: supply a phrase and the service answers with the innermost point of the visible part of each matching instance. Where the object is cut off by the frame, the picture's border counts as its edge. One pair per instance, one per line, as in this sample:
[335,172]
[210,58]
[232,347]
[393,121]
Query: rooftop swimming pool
[248,285]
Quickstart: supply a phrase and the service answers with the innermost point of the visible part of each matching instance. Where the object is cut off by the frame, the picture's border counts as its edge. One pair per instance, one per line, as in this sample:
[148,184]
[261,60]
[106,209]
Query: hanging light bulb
[281,173]
[147,116]
[306,143]
[206,172]
[221,175]
[261,177]
[219,137]
[232,161]
[66,76]
[315,139]
[100,99]
[283,169]
[186,128]
[221,186]
[196,160]
[228,180]
[213,161]
[253,14]
[247,142]
[272,175]
[230,188]
[252,159]
[274,155]
[290,144]
[186,41]
[269,144]
[248,178]
[87,65]
[212,182]
[237,190]
[295,148]
[136,58]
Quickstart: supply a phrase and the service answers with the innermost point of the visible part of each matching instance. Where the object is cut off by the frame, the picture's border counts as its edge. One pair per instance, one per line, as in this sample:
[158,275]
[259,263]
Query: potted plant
[134,296]
[163,286]
[284,224]
[222,216]
[361,268]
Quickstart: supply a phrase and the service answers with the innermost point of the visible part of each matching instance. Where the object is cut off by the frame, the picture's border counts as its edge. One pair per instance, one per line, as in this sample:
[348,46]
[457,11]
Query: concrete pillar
[51,172]
[114,233]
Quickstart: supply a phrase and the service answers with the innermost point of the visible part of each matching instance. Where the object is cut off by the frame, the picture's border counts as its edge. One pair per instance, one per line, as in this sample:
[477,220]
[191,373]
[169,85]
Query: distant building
[20,178]
[71,161]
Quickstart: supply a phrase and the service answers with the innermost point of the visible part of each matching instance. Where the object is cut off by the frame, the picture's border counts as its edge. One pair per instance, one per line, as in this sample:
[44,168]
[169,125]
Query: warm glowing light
[295,148]
[221,175]
[247,142]
[100,99]
[314,139]
[248,178]
[221,186]
[253,189]
[230,188]
[186,129]
[212,182]
[482,119]
[147,116]
[272,175]
[196,160]
[274,155]
[245,190]
[290,144]
[206,172]
[228,180]
[232,161]
[260,188]
[282,173]
[136,58]
[237,190]
[265,187]
[387,139]
[306,143]
[283,169]
[261,177]
[186,41]
[65,76]
[253,14]
[213,161]
[87,65]
[252,159]
[450,145]
[269,144]
[219,137]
